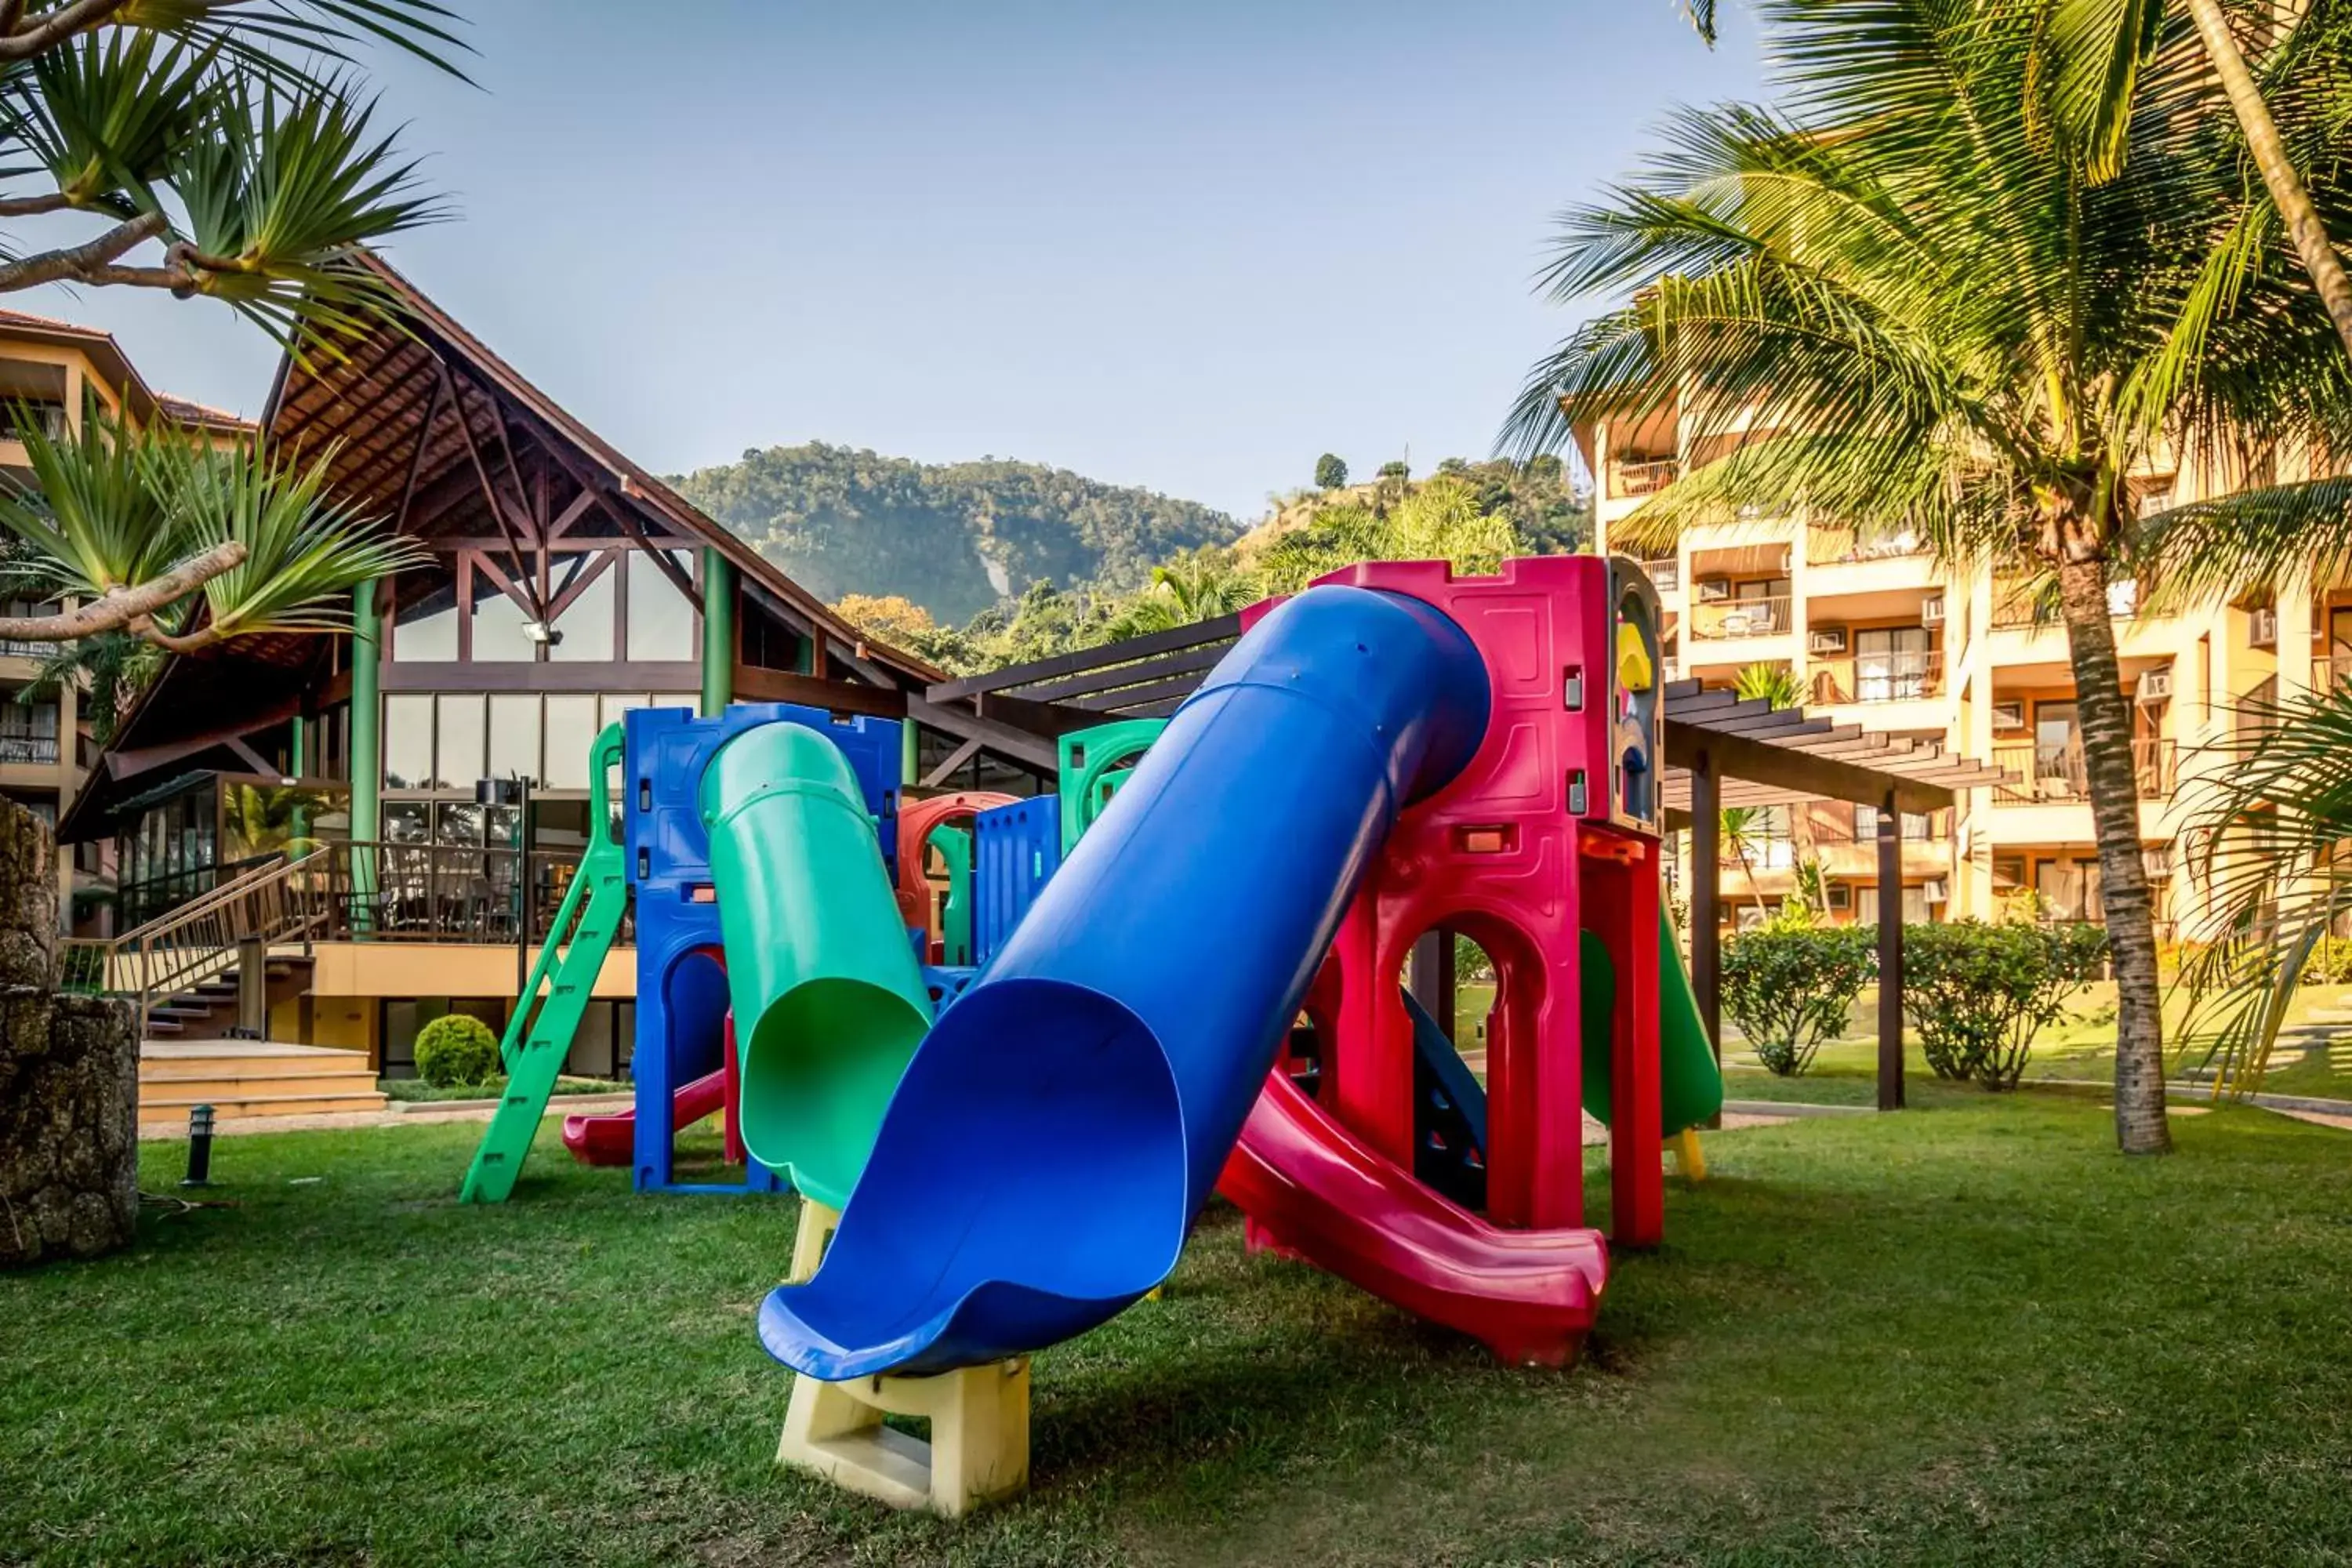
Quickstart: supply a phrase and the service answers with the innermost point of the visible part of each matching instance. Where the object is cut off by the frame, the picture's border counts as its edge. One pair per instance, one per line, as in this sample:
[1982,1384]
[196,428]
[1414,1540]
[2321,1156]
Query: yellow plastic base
[979,1450]
[1689,1156]
[818,1222]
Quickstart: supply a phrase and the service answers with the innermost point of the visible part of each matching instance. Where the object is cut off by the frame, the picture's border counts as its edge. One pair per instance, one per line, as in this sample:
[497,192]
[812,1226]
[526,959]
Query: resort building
[565,584]
[1875,632]
[55,372]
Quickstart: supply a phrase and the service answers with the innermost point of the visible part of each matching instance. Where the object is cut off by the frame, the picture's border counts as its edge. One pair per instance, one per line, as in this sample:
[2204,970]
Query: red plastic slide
[1311,1187]
[612,1139]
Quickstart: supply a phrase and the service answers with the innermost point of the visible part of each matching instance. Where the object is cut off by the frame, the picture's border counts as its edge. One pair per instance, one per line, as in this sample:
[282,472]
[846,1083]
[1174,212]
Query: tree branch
[120,606]
[30,206]
[77,263]
[55,27]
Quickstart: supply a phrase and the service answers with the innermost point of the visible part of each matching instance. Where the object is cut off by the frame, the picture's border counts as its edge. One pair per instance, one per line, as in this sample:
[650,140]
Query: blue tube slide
[1061,1125]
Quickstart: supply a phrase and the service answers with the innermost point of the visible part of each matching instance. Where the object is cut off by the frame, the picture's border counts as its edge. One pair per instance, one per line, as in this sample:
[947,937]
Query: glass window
[457,822]
[458,763]
[514,737]
[612,706]
[498,625]
[571,733]
[587,622]
[407,822]
[408,742]
[661,622]
[424,620]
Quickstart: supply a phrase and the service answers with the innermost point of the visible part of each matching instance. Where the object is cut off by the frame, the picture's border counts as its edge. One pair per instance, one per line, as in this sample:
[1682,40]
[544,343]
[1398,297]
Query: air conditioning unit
[1931,610]
[2156,859]
[2009,716]
[1840,896]
[2155,685]
[1714,590]
[1788,561]
[1937,892]
[1827,639]
[2261,626]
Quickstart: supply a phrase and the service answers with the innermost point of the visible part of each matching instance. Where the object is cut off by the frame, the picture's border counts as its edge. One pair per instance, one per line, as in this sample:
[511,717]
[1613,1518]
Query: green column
[718,632]
[367,747]
[910,752]
[296,765]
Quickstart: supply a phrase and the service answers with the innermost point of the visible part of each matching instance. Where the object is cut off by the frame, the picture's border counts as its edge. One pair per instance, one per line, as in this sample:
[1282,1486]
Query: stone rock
[69,1079]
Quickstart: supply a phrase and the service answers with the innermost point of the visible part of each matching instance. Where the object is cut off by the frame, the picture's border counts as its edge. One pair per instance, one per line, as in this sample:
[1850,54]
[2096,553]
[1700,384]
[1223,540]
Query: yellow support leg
[1689,1156]
[978,1453]
[818,1222]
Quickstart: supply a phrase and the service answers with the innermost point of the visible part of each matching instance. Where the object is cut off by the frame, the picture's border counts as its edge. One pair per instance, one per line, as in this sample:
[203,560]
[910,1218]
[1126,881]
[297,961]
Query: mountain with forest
[953,538]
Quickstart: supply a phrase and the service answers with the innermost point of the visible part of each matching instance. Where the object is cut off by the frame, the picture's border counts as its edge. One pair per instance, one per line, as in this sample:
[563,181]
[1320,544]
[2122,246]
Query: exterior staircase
[208,1010]
[241,1079]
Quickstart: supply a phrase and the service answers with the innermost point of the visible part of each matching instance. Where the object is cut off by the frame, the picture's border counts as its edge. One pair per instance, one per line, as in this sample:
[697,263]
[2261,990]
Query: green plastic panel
[1090,772]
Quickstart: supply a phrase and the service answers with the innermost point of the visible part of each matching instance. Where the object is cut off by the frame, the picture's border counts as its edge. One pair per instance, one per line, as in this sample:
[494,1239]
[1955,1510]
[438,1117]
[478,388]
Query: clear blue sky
[1186,244]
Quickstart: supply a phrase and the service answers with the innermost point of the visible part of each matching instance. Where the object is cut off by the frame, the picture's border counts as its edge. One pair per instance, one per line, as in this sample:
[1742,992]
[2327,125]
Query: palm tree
[1902,302]
[2272,832]
[1744,829]
[229,138]
[2097,49]
[112,509]
[1441,520]
[1201,587]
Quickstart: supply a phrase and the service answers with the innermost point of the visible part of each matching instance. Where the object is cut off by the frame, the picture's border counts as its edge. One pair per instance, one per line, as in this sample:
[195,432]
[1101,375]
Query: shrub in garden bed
[455,1048]
[1791,986]
[1978,994]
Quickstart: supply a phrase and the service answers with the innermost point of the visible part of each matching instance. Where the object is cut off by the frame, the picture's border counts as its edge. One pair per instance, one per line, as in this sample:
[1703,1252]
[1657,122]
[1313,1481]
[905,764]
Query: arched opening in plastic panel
[1497,988]
[1636,681]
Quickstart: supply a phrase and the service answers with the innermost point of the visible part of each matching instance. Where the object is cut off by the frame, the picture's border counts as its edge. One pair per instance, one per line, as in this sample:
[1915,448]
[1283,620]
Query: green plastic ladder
[539,1035]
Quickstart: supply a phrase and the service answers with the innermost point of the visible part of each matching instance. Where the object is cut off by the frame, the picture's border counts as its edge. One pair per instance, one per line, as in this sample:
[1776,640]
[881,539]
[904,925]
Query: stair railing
[281,902]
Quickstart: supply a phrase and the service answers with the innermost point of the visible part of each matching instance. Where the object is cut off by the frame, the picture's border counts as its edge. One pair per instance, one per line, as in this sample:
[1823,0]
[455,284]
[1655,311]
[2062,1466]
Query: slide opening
[822,1057]
[1053,1138]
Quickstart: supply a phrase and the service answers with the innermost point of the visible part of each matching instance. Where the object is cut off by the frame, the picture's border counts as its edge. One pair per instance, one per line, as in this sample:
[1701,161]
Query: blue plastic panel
[1015,850]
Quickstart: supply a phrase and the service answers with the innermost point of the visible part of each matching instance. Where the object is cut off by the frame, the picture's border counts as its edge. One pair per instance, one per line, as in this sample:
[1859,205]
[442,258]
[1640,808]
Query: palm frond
[92,517]
[105,114]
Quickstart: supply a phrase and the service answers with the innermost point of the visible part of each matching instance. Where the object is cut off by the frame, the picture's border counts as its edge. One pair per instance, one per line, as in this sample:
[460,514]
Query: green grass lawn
[1969,1334]
[415,1090]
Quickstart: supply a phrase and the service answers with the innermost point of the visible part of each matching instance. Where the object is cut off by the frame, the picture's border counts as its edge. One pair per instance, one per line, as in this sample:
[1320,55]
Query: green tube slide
[829,1003]
[1690,1086]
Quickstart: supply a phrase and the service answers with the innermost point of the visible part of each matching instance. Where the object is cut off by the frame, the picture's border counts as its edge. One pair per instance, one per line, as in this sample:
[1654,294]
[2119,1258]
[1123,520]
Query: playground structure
[1187,979]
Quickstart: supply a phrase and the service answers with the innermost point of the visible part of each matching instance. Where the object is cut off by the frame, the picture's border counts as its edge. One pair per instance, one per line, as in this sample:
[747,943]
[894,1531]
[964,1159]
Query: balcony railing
[37,748]
[2054,774]
[1878,678]
[2331,671]
[1838,547]
[1664,575]
[1646,478]
[18,647]
[1761,618]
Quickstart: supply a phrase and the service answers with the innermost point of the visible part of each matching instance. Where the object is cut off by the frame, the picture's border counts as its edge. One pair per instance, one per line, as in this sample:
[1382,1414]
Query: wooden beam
[1132,696]
[1890,954]
[489,490]
[1790,768]
[416,459]
[1706,898]
[253,759]
[1196,660]
[669,675]
[1031,750]
[1060,665]
[756,685]
[946,769]
[570,514]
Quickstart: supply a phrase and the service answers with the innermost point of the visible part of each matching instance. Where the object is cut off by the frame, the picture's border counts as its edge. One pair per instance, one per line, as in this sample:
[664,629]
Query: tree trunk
[2288,193]
[2106,721]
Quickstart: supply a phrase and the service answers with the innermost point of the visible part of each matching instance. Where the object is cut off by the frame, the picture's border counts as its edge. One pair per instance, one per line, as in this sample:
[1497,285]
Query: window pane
[424,621]
[571,732]
[458,759]
[457,822]
[614,706]
[514,737]
[498,625]
[661,623]
[407,742]
[407,822]
[587,622]
[674,700]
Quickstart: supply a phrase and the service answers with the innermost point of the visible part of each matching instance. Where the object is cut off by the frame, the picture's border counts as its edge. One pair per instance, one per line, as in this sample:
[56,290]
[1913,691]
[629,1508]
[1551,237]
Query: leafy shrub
[2330,962]
[1471,964]
[1792,985]
[455,1048]
[1978,993]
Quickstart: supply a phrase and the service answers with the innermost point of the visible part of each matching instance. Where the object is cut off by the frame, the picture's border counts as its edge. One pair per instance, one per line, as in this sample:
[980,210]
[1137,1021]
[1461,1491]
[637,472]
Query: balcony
[1728,618]
[2055,774]
[39,750]
[1665,575]
[2329,672]
[1643,478]
[17,647]
[1878,678]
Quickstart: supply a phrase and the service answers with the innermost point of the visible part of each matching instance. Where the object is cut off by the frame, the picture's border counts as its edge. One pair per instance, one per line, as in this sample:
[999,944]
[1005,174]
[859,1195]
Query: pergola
[1720,750]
